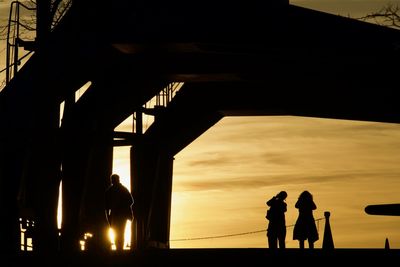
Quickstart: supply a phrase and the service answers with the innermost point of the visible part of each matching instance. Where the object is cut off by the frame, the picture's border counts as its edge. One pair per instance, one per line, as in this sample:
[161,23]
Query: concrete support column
[151,189]
[41,181]
[43,171]
[92,216]
[10,167]
[142,175]
[160,209]
[75,157]
[87,166]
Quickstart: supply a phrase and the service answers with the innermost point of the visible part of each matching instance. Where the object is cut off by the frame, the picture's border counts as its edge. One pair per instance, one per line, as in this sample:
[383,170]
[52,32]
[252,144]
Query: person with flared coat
[305,227]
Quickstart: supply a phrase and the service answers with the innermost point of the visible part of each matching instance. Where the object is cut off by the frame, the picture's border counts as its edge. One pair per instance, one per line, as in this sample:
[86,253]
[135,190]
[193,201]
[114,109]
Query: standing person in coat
[118,207]
[305,227]
[276,231]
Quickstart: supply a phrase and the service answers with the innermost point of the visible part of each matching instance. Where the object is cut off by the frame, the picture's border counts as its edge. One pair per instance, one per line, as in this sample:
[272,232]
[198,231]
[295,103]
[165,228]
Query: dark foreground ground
[215,257]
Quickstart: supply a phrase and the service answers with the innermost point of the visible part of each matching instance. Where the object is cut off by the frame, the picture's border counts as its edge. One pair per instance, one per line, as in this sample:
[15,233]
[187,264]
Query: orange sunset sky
[223,179]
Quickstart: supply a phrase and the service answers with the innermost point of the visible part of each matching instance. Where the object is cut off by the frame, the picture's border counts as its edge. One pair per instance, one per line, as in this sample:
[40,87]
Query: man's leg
[311,244]
[119,232]
[301,244]
[282,238]
[272,241]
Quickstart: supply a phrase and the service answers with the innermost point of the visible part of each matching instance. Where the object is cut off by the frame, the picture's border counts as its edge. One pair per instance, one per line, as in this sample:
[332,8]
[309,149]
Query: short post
[387,243]
[327,243]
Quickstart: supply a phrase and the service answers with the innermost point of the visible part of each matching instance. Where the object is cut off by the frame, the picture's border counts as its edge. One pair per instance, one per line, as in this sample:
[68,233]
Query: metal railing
[165,96]
[13,38]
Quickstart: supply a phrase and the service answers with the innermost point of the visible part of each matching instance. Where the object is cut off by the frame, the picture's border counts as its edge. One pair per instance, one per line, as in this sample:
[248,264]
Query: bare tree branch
[3,32]
[389,16]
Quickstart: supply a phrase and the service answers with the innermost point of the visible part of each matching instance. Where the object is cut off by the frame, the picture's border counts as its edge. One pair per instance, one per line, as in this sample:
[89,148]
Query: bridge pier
[98,172]
[151,189]
[30,162]
[87,165]
[41,177]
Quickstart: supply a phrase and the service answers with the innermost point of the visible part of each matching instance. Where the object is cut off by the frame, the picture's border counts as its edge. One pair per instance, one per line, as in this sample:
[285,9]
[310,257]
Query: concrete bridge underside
[235,58]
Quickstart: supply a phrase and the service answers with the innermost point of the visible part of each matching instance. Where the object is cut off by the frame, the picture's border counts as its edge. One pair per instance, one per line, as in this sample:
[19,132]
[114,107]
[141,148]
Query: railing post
[327,243]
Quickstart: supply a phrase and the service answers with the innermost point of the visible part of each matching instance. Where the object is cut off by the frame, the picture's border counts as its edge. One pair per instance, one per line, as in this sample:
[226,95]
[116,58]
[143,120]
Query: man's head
[114,179]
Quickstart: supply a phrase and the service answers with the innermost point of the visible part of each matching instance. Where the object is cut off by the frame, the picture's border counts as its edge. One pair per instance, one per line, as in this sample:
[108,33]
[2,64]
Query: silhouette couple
[305,227]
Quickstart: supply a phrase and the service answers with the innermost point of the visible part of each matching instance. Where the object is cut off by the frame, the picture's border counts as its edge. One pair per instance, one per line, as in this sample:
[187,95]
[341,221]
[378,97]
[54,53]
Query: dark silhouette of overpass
[235,58]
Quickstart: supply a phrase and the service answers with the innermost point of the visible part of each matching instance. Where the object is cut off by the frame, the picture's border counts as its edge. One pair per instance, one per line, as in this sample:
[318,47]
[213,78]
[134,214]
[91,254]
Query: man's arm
[107,213]
[107,209]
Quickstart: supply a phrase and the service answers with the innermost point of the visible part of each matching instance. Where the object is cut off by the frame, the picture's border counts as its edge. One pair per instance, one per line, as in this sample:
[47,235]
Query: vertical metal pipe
[16,41]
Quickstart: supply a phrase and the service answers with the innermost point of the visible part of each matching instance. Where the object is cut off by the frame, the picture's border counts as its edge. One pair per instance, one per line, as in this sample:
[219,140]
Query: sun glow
[127,237]
[111,237]
[59,209]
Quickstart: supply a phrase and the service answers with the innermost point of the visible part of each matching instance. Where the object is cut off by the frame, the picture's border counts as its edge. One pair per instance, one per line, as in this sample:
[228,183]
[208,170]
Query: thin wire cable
[230,235]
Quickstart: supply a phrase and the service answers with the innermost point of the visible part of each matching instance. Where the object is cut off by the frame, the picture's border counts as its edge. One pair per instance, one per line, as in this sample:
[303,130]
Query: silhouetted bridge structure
[235,58]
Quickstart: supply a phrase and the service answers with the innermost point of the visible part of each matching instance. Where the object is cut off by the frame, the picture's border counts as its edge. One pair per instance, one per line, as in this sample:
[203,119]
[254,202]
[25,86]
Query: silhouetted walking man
[118,207]
[305,227]
[276,231]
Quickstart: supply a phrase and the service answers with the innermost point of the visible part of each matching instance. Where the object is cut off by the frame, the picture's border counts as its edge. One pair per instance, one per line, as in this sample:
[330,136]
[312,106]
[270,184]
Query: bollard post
[327,243]
[387,243]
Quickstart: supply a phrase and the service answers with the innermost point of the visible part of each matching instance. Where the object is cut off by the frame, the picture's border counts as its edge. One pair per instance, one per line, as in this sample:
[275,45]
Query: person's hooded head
[282,195]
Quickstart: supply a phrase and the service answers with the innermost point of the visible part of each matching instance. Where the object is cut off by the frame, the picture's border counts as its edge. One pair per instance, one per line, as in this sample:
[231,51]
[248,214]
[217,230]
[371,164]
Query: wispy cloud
[233,182]
[288,147]
[236,165]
